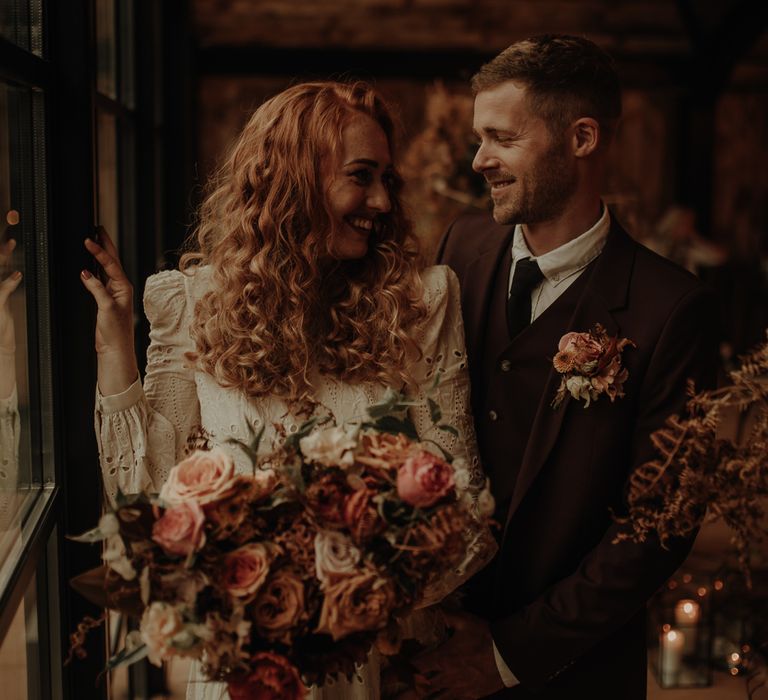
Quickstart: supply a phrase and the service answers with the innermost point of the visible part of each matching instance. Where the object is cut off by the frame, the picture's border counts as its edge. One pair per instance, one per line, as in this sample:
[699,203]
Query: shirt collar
[560,263]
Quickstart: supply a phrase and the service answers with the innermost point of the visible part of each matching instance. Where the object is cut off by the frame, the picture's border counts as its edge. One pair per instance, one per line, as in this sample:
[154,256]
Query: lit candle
[672,643]
[687,613]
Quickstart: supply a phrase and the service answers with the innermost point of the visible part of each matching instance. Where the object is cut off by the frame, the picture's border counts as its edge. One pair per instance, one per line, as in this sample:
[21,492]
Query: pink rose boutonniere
[591,366]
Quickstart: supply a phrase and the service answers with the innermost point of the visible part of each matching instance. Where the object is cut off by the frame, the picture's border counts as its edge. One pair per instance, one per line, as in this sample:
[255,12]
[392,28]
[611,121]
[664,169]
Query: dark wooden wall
[695,128]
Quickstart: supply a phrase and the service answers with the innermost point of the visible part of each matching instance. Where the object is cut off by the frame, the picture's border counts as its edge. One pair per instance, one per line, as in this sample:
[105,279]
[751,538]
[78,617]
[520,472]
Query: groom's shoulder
[470,235]
[669,278]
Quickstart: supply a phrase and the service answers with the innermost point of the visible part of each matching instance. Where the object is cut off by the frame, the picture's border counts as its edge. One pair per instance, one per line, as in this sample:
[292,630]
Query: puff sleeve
[142,433]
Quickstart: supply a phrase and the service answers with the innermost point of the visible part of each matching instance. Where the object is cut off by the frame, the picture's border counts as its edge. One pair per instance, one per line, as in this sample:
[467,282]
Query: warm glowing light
[746,648]
[666,628]
[687,578]
[671,635]
[12,217]
[736,657]
[672,585]
[719,585]
[701,592]
[687,612]
[734,671]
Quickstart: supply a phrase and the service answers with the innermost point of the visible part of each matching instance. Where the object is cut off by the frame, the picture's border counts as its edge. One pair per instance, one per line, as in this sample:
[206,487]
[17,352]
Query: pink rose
[271,677]
[424,479]
[246,569]
[203,477]
[180,529]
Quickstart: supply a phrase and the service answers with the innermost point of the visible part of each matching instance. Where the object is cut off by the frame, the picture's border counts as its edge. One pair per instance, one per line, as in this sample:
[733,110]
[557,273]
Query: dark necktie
[527,276]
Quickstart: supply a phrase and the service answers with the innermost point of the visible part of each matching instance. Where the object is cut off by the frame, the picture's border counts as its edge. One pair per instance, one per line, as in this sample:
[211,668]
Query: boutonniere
[591,366]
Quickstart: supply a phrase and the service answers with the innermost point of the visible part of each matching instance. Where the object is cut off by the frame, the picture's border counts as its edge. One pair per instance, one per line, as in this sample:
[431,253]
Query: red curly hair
[274,312]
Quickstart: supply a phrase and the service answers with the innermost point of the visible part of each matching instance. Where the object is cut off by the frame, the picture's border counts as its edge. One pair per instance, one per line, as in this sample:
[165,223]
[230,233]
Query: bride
[303,290]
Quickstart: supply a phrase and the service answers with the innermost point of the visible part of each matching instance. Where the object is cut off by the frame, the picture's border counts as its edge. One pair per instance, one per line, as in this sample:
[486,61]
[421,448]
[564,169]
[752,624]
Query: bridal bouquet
[287,576]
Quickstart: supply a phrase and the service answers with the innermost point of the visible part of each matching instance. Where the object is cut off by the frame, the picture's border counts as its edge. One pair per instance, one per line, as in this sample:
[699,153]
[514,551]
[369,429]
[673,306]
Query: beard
[542,194]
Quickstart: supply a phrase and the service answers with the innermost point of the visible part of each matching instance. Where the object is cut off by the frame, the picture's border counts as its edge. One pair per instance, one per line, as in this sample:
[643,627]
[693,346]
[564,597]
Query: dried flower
[701,468]
[271,677]
[356,603]
[591,366]
[325,498]
[280,606]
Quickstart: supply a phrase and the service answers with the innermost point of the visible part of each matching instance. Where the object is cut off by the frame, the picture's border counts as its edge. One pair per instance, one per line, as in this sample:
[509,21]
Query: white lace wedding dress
[142,432]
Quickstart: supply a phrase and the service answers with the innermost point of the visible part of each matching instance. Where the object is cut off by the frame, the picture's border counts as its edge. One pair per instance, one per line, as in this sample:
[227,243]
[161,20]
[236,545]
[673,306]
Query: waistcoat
[514,375]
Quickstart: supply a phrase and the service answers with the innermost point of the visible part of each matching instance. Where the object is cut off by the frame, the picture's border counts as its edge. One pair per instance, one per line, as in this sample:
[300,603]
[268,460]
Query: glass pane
[107,175]
[21,22]
[106,48]
[19,208]
[19,650]
[14,21]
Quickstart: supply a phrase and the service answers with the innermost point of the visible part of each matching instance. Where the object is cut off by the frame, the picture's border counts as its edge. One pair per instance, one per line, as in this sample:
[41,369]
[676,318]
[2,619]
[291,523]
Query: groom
[561,612]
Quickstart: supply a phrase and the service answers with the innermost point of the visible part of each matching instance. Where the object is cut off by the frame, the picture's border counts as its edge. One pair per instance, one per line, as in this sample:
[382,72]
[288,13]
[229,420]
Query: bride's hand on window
[114,316]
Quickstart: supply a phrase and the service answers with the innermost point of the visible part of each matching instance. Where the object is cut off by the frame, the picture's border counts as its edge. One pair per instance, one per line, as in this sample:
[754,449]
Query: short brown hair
[566,77]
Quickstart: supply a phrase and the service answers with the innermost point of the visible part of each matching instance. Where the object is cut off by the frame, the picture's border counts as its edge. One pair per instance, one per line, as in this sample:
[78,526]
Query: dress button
[505,365]
[493,415]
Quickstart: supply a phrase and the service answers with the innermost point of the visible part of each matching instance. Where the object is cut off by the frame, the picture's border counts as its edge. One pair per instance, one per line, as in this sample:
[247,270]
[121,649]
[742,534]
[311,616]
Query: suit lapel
[477,285]
[605,292]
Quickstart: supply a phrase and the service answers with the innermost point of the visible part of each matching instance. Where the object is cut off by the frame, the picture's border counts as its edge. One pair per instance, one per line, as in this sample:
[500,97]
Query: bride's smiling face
[358,186]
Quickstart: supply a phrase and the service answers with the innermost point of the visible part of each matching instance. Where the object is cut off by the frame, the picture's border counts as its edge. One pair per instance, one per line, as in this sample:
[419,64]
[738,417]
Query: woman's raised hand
[114,317]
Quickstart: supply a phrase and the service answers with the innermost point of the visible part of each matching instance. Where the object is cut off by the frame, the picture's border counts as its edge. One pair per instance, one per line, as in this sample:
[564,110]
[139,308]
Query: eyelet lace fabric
[143,432]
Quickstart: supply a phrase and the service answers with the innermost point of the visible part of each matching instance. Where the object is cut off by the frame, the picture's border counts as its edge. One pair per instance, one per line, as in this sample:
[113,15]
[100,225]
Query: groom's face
[531,173]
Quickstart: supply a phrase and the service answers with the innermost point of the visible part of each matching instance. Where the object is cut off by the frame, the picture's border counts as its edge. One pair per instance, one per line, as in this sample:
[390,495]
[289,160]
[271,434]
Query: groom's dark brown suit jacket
[566,605]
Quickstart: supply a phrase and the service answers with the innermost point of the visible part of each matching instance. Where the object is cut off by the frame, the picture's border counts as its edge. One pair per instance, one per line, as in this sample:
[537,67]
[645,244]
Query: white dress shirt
[561,267]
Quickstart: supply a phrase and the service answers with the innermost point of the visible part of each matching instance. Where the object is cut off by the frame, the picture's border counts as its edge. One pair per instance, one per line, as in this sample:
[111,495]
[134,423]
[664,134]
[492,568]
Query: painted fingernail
[86,275]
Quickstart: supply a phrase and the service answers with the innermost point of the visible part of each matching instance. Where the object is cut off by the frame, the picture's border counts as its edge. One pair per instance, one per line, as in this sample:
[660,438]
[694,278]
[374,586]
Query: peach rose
[358,603]
[279,607]
[424,479]
[180,529]
[160,624]
[272,677]
[335,556]
[203,477]
[246,568]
